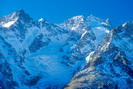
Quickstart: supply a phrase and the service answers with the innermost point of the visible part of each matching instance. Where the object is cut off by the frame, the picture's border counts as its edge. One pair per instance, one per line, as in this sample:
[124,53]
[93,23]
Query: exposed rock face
[111,65]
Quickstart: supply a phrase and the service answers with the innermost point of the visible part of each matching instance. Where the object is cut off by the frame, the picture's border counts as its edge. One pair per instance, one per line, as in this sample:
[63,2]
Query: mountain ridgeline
[80,53]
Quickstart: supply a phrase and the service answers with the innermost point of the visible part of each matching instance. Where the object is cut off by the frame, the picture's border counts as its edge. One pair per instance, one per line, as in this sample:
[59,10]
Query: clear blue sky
[56,11]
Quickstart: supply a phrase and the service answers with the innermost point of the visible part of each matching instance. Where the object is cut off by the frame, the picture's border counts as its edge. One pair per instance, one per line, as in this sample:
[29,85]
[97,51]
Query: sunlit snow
[10,23]
[40,20]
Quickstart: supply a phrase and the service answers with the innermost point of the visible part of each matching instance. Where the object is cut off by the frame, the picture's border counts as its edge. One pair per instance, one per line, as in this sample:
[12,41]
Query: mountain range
[80,53]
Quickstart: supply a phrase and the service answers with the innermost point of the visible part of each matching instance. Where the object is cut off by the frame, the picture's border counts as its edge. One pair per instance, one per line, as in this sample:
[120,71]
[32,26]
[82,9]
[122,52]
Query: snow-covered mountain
[111,65]
[39,54]
[43,55]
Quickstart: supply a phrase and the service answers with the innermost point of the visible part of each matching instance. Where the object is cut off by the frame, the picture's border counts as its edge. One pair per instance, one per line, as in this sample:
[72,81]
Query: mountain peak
[92,18]
[12,18]
[22,15]
[79,18]
[41,20]
[19,12]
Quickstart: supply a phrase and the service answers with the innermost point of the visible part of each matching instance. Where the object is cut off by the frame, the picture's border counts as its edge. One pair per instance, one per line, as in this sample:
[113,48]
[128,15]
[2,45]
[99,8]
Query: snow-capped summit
[75,23]
[76,19]
[81,23]
[41,20]
[18,16]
